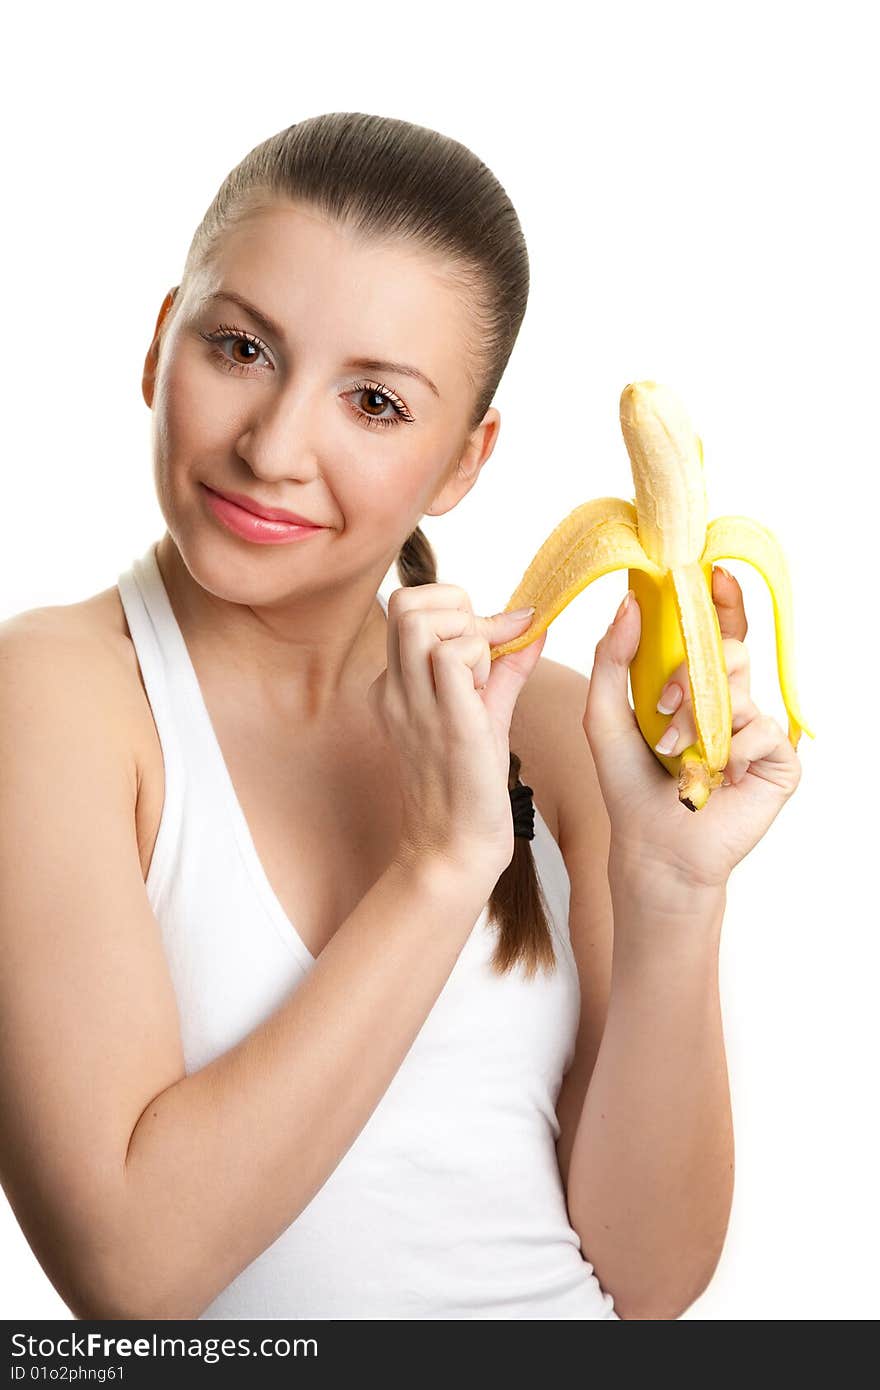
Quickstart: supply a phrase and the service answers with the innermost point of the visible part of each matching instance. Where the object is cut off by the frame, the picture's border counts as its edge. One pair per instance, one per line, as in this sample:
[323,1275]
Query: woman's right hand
[446,708]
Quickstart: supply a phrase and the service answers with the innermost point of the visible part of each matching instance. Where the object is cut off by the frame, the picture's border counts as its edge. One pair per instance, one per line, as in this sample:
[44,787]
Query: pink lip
[257,508]
[253,526]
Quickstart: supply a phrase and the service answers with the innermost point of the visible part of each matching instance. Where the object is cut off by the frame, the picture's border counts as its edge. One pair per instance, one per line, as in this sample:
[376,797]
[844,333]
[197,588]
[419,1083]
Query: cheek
[391,483]
[194,410]
[186,432]
[377,491]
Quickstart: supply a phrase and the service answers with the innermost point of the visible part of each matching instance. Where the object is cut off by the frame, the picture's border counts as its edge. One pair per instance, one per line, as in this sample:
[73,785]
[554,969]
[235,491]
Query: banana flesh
[667,545]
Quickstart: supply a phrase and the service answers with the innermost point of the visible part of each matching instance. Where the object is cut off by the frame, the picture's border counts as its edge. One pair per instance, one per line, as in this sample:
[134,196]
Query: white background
[696,183]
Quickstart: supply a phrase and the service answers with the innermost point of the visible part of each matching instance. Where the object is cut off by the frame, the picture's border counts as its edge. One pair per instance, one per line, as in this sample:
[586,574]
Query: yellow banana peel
[664,540]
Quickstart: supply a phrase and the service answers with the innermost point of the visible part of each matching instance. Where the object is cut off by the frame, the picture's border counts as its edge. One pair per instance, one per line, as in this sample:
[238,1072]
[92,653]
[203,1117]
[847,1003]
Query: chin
[231,569]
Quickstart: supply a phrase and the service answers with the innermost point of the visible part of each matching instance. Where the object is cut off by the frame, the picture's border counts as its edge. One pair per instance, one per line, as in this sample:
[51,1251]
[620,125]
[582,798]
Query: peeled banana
[664,540]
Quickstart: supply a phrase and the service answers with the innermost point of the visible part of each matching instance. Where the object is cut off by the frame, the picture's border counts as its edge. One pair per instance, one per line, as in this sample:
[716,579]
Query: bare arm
[224,1160]
[650,1182]
[143,1191]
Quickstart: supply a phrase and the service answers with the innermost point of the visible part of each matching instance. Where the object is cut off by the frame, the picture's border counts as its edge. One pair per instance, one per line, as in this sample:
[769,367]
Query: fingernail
[670,698]
[623,606]
[726,782]
[668,741]
[719,569]
[518,613]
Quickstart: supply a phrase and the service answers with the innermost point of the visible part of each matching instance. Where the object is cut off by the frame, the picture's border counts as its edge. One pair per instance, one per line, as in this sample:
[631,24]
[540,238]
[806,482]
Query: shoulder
[69,662]
[96,623]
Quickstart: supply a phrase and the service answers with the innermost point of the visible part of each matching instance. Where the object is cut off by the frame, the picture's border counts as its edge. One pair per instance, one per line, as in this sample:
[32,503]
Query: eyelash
[225,332]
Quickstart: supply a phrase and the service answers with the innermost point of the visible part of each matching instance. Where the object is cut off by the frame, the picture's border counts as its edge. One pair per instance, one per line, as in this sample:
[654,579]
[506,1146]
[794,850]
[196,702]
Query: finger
[508,676]
[608,710]
[762,746]
[683,727]
[421,596]
[454,664]
[473,651]
[728,599]
[425,631]
[502,627]
[677,688]
[609,720]
[460,664]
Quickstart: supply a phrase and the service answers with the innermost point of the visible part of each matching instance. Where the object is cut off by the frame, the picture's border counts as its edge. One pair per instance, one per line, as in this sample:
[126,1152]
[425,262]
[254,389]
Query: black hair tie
[523,809]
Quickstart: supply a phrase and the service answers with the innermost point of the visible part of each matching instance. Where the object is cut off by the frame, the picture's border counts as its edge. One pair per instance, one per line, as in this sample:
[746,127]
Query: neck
[310,657]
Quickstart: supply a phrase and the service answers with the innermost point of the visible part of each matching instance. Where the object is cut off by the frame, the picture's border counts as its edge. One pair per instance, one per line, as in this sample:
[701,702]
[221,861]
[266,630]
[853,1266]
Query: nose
[282,437]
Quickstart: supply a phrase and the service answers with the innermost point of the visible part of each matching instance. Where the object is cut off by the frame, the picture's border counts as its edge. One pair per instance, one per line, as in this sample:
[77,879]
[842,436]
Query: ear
[471,455]
[151,362]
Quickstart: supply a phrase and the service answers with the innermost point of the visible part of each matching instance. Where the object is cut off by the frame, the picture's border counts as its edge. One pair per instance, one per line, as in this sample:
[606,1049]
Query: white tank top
[449,1203]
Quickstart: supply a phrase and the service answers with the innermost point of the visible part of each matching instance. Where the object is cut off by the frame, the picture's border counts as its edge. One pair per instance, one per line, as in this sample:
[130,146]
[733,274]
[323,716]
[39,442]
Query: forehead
[329,288]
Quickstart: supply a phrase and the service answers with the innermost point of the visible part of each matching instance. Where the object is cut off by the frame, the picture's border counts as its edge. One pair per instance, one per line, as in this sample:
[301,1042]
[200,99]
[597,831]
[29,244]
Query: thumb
[609,717]
[510,672]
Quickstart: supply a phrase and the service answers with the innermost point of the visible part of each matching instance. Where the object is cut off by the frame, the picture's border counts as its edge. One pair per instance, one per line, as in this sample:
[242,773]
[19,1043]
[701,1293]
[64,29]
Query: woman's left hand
[650,828]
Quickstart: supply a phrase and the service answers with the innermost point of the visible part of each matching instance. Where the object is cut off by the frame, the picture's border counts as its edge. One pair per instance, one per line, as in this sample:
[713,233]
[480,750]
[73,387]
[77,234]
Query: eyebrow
[364,364]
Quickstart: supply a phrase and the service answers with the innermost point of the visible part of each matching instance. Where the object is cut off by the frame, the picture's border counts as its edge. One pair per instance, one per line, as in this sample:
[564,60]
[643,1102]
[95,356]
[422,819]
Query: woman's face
[282,413]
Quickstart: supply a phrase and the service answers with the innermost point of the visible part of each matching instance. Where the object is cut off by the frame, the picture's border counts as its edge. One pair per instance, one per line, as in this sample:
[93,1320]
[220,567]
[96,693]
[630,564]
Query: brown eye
[373,401]
[249,350]
[247,344]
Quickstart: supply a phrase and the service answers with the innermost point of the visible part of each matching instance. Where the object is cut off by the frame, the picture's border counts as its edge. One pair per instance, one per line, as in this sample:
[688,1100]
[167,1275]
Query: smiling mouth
[251,526]
[265,513]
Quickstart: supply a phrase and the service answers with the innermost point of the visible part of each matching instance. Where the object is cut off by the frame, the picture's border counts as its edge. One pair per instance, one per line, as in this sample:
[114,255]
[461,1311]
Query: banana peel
[667,545]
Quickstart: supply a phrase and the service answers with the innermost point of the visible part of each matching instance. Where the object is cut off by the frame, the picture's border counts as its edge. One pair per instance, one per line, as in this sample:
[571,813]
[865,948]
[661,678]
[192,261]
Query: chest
[323,812]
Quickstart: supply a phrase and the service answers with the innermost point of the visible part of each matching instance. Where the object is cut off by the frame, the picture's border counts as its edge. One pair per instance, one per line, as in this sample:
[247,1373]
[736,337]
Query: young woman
[294,1025]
